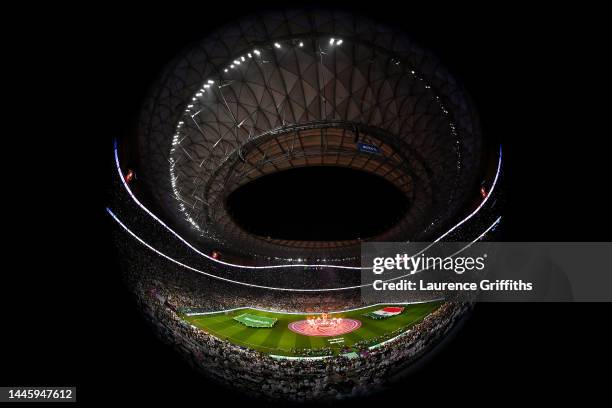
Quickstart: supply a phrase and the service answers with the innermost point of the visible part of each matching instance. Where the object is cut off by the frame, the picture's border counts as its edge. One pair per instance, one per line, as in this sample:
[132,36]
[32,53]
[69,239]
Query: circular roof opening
[319,203]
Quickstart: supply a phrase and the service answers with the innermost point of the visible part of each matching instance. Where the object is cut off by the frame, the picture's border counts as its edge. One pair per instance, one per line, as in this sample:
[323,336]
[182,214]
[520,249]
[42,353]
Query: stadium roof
[281,90]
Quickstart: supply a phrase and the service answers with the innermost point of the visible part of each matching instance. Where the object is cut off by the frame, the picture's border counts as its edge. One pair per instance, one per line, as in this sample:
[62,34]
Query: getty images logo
[414,264]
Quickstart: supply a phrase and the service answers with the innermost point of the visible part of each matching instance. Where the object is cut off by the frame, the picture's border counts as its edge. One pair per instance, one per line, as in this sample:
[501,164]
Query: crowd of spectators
[331,377]
[162,289]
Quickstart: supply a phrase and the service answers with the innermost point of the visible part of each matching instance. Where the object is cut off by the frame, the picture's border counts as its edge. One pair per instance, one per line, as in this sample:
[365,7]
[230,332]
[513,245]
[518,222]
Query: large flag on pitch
[385,312]
[252,320]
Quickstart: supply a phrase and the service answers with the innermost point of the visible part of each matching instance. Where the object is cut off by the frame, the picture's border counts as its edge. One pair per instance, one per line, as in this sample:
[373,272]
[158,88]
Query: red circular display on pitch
[308,328]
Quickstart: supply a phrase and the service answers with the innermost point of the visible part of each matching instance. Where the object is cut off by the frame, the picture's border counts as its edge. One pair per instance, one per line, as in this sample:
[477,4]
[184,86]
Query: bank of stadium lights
[438,99]
[242,58]
[239,60]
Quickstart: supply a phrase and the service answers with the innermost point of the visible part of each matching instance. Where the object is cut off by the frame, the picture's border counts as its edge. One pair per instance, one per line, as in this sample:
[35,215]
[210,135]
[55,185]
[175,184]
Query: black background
[80,74]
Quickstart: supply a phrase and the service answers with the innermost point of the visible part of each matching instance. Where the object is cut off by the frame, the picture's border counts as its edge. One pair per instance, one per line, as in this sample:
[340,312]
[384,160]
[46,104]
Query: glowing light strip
[460,223]
[451,255]
[127,188]
[308,313]
[273,287]
[306,358]
[473,212]
[392,339]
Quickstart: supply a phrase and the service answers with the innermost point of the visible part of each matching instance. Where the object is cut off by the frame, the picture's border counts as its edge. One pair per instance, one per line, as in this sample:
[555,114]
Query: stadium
[250,147]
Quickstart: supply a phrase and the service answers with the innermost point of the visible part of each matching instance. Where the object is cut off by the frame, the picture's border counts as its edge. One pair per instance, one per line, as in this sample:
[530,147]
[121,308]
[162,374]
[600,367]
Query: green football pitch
[280,340]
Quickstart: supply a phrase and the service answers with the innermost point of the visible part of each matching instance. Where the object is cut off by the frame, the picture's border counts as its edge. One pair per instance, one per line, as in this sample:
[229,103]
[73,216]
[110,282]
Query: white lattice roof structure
[302,88]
